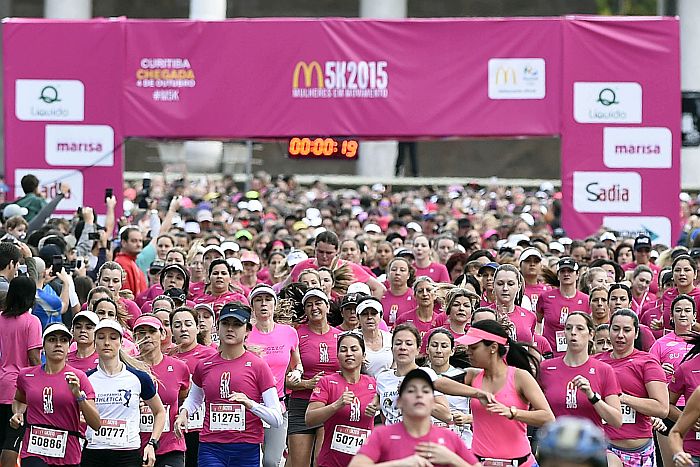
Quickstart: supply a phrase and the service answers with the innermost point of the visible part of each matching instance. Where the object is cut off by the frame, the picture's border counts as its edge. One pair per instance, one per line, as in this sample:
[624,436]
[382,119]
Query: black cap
[492,265]
[351,299]
[642,241]
[402,252]
[156,266]
[695,253]
[235,311]
[176,294]
[567,262]
[559,232]
[416,373]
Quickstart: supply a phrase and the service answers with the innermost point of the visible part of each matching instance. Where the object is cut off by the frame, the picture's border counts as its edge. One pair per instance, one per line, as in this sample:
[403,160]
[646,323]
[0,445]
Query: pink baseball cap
[151,321]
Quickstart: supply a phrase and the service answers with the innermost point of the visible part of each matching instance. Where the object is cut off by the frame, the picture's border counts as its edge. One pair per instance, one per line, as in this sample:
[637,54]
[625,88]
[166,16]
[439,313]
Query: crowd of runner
[197,324]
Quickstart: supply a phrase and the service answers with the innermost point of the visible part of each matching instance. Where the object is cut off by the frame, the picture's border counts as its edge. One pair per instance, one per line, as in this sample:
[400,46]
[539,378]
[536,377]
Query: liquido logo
[49,100]
[340,79]
[607,192]
[516,78]
[613,102]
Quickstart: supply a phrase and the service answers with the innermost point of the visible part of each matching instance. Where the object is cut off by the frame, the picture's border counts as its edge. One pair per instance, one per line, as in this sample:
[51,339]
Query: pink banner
[621,126]
[73,90]
[63,116]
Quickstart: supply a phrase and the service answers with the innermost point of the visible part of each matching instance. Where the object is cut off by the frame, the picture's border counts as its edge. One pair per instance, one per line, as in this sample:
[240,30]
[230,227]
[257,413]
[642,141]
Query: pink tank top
[494,435]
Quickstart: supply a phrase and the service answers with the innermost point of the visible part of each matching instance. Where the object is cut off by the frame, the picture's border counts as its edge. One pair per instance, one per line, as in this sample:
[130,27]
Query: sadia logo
[516,78]
[637,147]
[49,100]
[340,79]
[607,102]
[607,192]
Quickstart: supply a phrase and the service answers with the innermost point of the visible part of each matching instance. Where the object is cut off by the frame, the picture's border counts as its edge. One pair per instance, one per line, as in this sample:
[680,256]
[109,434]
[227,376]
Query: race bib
[348,439]
[113,433]
[490,462]
[47,442]
[561,341]
[226,417]
[697,435]
[629,415]
[196,420]
[147,418]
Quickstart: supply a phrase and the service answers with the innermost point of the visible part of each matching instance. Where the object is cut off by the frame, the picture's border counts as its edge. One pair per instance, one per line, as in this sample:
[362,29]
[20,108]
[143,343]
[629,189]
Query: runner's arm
[656,405]
[156,406]
[194,400]
[270,410]
[376,287]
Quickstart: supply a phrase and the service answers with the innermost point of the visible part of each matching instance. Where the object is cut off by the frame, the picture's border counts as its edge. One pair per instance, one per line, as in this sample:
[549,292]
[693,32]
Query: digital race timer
[322,148]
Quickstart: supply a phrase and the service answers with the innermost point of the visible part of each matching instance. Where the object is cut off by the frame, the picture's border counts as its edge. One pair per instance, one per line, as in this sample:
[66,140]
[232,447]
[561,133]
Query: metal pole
[249,165]
[660,7]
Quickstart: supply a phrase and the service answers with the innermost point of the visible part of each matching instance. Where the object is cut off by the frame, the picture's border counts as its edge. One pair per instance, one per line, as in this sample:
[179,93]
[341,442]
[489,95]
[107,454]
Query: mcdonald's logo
[507,74]
[308,70]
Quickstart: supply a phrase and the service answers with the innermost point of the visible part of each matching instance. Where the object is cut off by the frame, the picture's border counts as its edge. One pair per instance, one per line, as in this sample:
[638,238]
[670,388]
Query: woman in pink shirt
[415,441]
[423,316]
[184,323]
[506,371]
[173,383]
[424,265]
[670,350]
[49,402]
[508,288]
[644,394]
[20,347]
[340,402]
[684,382]
[398,298]
[685,272]
[641,279]
[318,351]
[84,357]
[577,384]
[219,291]
[280,349]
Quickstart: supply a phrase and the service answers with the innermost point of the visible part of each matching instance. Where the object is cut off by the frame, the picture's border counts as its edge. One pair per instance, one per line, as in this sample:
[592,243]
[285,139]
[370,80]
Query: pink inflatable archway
[610,87]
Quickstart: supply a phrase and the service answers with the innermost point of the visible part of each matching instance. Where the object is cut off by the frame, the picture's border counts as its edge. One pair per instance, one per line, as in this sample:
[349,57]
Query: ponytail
[516,353]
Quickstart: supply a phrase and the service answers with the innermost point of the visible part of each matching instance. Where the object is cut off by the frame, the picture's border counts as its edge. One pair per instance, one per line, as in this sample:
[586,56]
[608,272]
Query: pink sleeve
[265,378]
[294,338]
[372,448]
[197,374]
[359,273]
[653,371]
[611,386]
[462,451]
[321,392]
[677,384]
[34,340]
[655,351]
[400,319]
[444,275]
[383,326]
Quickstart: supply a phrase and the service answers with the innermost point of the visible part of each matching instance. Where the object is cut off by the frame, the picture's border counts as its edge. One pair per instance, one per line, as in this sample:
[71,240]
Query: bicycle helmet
[573,439]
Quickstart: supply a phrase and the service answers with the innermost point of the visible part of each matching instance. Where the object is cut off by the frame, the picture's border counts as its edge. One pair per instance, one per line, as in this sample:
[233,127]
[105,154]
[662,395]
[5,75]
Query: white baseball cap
[373,228]
[414,226]
[565,241]
[314,293]
[608,236]
[110,324]
[359,287]
[56,327]
[295,257]
[89,315]
[233,246]
[556,246]
[530,252]
[369,303]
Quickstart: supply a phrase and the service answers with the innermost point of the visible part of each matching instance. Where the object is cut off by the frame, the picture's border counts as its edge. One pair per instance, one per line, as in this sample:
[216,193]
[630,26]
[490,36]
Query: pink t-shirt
[194,356]
[393,442]
[542,345]
[172,376]
[638,305]
[423,327]
[650,314]
[132,309]
[684,382]
[278,346]
[83,364]
[347,424]
[556,308]
[219,378]
[524,322]
[217,302]
[197,289]
[633,372]
[149,294]
[436,271]
[494,435]
[564,398]
[396,305]
[319,352]
[534,291]
[19,335]
[51,402]
[667,300]
[670,348]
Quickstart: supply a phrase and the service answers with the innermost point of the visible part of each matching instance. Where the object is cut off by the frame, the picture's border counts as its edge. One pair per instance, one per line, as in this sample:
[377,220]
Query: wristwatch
[513,412]
[81,398]
[594,399]
[154,443]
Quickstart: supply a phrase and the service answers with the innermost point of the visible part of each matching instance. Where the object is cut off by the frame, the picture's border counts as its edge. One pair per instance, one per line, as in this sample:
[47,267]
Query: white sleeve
[72,295]
[270,410]
[194,400]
